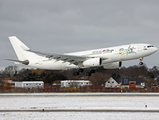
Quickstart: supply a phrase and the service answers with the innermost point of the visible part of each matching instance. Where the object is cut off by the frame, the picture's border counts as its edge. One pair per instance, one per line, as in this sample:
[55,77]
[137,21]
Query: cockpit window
[150,46]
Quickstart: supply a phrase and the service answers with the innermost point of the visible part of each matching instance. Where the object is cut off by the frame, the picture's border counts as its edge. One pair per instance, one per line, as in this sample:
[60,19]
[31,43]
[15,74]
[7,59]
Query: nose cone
[155,49]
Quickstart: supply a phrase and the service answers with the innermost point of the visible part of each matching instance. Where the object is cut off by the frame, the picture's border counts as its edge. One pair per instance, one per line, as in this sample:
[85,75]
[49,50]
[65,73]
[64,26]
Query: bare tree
[11,71]
[100,78]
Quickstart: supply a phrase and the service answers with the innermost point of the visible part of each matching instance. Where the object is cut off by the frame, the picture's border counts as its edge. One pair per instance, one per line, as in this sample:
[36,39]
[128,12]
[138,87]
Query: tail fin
[21,49]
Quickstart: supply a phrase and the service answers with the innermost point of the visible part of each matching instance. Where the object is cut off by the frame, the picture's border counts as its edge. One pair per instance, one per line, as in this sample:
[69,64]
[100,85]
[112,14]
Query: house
[8,83]
[75,83]
[29,84]
[132,82]
[111,83]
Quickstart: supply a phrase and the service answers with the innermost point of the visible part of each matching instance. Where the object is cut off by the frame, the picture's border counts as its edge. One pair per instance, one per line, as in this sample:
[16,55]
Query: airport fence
[86,89]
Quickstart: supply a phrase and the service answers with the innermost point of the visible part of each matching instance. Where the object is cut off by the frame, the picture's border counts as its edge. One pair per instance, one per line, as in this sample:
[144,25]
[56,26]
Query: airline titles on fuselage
[103,51]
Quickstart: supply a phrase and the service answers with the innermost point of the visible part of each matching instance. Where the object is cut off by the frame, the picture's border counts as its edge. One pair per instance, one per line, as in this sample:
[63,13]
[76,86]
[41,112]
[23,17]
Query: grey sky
[73,25]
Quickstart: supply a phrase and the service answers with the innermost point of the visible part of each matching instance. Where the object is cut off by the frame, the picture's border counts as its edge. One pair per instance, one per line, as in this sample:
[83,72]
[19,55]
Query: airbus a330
[108,58]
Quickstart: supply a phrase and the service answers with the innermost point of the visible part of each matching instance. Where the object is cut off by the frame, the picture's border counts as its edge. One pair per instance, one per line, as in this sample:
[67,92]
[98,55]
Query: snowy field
[78,102]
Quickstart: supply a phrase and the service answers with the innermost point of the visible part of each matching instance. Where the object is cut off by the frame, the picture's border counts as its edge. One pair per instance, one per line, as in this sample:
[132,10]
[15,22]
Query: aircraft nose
[156,49]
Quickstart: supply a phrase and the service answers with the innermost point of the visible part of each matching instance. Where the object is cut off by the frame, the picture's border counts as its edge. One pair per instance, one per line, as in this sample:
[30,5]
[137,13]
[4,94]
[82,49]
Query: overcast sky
[61,26]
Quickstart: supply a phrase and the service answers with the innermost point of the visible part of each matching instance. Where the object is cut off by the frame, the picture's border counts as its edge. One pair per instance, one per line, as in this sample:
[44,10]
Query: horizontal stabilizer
[25,62]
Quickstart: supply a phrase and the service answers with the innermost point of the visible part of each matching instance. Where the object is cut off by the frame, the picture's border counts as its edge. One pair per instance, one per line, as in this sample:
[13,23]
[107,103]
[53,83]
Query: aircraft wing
[76,60]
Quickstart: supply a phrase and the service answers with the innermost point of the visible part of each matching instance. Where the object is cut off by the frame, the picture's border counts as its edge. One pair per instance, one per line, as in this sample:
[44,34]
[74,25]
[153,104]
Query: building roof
[125,81]
[76,81]
[111,79]
[31,81]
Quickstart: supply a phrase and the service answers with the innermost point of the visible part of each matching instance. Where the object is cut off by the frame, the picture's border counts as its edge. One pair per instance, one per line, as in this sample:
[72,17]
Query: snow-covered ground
[78,102]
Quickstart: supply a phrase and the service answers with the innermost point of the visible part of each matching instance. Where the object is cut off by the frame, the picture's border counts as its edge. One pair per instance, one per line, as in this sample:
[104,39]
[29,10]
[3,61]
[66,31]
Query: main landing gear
[87,73]
[141,63]
[79,71]
[90,72]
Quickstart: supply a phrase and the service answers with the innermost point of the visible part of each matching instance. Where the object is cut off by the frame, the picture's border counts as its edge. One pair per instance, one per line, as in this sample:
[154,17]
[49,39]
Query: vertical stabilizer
[21,49]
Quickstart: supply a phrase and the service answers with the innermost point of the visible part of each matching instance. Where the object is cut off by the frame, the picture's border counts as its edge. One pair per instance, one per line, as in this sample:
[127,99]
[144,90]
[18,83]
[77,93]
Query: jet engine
[113,65]
[92,62]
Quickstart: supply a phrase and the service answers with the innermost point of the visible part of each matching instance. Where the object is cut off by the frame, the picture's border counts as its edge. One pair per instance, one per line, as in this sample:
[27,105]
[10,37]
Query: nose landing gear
[141,63]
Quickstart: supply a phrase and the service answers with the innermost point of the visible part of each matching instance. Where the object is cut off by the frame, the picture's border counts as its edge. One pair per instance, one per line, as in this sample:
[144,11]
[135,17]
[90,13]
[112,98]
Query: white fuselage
[108,55]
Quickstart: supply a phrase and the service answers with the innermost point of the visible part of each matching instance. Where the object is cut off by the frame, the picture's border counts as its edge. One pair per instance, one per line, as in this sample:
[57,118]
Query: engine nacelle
[113,65]
[92,62]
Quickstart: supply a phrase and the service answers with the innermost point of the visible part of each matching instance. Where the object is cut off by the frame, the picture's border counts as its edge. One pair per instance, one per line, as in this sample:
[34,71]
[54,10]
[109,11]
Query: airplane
[108,58]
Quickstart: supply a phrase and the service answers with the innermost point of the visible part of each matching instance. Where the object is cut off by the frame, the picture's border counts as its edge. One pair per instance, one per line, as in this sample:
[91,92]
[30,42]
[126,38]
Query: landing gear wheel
[141,63]
[76,73]
[88,74]
[80,70]
[92,71]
